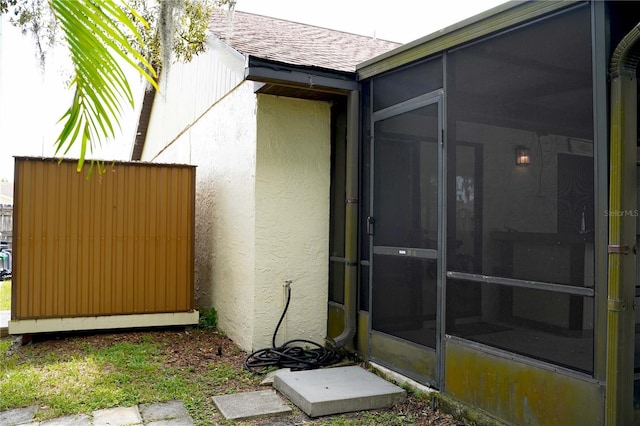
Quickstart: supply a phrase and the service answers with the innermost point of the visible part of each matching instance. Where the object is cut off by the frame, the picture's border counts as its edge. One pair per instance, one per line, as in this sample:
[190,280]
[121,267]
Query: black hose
[284,312]
[308,357]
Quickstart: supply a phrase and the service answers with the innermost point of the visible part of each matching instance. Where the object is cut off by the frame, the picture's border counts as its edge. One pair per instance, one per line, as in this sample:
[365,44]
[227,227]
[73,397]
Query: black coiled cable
[309,357]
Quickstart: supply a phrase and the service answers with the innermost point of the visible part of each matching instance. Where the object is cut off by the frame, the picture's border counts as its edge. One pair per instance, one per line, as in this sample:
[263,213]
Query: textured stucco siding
[292,218]
[187,91]
[262,211]
[223,145]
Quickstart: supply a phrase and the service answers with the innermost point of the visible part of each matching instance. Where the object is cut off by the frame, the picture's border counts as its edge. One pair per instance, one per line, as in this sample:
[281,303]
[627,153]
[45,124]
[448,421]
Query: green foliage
[103,35]
[5,4]
[97,40]
[5,295]
[34,17]
[371,418]
[175,28]
[208,319]
[5,344]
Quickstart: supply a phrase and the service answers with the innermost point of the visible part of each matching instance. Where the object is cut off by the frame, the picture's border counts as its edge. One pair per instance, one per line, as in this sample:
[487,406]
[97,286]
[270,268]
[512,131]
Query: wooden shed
[110,250]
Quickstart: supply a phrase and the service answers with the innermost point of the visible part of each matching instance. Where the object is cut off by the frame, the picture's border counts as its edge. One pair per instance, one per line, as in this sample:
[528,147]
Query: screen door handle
[371,221]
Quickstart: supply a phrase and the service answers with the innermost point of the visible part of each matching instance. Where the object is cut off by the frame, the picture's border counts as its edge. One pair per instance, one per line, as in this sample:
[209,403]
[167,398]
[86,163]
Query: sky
[31,102]
[404,21]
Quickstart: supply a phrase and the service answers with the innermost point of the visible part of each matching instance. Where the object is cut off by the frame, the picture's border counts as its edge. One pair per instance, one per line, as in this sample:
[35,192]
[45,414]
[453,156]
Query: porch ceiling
[296,92]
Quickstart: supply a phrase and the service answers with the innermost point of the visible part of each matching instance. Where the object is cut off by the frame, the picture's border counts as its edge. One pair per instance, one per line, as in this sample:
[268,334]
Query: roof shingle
[295,43]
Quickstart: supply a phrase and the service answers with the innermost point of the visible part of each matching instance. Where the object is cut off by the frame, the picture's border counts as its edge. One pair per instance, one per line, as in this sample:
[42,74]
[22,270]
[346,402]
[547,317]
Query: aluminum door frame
[435,97]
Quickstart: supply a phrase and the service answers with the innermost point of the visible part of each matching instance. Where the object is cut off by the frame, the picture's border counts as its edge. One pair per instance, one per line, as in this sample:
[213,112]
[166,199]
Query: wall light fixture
[523,156]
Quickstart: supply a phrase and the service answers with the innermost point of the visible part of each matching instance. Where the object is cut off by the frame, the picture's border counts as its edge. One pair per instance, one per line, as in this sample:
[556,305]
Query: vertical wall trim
[600,55]
[622,231]
[442,258]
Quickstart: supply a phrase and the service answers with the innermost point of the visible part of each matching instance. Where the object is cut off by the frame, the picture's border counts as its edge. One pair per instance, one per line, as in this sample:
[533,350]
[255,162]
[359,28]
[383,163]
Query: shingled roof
[295,43]
[328,57]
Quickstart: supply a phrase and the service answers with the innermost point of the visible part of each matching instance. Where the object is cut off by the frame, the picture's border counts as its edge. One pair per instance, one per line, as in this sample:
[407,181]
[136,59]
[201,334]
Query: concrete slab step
[337,390]
[79,420]
[250,405]
[165,411]
[18,416]
[118,416]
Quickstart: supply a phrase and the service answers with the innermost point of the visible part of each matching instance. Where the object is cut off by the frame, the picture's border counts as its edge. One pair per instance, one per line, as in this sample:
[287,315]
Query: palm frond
[96,34]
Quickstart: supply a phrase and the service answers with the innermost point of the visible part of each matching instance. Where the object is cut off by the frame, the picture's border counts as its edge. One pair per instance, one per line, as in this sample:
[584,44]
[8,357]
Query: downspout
[351,223]
[622,231]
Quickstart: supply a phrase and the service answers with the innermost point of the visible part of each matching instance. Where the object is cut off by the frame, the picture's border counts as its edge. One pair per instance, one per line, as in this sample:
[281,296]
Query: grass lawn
[5,295]
[67,374]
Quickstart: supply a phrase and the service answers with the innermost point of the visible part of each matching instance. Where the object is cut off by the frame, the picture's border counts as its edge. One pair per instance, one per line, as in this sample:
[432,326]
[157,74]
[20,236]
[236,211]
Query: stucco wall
[222,143]
[262,211]
[292,218]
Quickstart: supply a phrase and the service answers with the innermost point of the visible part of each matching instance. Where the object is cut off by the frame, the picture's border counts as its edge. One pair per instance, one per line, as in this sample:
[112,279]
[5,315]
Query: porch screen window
[520,258]
[406,83]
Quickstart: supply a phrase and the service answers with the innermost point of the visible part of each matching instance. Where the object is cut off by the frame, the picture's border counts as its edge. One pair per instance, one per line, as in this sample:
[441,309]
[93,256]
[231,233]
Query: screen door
[404,229]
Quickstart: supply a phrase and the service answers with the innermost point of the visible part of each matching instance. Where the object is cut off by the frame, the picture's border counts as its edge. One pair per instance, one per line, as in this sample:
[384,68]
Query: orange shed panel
[118,242]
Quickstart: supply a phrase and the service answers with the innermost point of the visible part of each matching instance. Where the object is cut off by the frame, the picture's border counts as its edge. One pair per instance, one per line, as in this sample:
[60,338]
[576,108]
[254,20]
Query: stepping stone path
[171,413]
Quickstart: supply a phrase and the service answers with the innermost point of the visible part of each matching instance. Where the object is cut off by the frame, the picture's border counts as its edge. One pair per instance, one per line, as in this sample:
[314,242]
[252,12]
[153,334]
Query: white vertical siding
[187,91]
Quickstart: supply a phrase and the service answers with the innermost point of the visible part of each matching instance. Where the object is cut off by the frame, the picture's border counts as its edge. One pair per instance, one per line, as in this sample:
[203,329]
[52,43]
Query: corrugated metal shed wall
[116,243]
